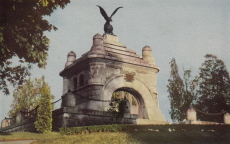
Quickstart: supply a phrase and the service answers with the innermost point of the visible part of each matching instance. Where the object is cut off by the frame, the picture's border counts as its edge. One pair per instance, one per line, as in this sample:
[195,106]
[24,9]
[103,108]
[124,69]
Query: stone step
[147,121]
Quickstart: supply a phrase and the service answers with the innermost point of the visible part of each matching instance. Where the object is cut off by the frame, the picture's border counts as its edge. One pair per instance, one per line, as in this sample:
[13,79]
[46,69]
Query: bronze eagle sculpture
[108,28]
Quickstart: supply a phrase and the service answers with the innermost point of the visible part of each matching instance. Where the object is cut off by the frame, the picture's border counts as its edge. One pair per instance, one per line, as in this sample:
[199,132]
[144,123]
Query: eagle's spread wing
[103,13]
[115,11]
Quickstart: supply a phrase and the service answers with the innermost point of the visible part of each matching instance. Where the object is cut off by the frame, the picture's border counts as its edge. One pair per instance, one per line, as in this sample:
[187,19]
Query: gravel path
[17,142]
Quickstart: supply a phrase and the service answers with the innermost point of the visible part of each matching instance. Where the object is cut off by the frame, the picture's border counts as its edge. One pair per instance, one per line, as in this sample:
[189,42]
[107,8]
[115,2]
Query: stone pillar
[147,55]
[227,118]
[19,117]
[191,114]
[4,123]
[65,85]
[68,100]
[97,47]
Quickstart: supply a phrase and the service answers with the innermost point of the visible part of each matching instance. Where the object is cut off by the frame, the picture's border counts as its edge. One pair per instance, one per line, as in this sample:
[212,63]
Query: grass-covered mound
[12,136]
[131,134]
[161,133]
[145,128]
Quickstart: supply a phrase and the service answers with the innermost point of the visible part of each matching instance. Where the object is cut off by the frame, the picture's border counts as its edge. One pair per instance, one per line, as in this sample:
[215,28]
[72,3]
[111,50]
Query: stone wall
[24,125]
[70,117]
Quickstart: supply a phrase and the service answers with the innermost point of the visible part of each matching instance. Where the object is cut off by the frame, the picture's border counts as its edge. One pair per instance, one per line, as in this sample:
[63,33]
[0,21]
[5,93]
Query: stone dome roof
[146,48]
[97,36]
[71,53]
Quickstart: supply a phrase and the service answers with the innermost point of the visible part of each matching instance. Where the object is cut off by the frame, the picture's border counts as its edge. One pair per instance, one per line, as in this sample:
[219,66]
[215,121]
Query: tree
[27,96]
[181,92]
[22,25]
[214,89]
[118,105]
[43,123]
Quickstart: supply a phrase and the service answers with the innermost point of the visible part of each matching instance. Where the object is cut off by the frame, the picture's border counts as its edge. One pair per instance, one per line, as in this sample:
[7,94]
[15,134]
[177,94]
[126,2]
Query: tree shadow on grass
[5,133]
[149,137]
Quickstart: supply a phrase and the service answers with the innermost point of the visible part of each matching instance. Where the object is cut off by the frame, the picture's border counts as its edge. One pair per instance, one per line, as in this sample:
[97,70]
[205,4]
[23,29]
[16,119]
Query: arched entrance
[148,104]
[134,102]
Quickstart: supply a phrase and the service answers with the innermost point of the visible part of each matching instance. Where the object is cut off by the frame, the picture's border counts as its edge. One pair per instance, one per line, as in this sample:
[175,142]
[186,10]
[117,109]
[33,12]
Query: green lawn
[141,138]
[93,138]
[27,136]
[192,134]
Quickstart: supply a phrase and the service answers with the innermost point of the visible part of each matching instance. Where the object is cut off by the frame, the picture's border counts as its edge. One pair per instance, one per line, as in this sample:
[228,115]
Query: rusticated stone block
[68,100]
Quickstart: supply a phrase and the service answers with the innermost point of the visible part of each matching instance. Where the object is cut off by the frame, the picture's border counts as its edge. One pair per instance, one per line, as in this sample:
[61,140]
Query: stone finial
[227,118]
[191,114]
[97,47]
[4,123]
[147,55]
[71,57]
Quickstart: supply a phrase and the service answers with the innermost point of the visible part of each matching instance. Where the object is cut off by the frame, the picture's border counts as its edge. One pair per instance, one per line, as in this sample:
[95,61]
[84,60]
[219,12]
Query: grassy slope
[94,138]
[27,136]
[141,138]
[148,137]
[146,134]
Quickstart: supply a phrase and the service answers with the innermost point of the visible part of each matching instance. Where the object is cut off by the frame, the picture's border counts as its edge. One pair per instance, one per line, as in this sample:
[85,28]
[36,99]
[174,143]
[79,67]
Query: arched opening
[81,80]
[75,83]
[133,102]
[147,99]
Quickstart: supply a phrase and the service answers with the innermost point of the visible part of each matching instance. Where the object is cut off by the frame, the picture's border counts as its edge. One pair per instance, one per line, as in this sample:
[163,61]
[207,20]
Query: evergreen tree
[181,92]
[214,89]
[43,123]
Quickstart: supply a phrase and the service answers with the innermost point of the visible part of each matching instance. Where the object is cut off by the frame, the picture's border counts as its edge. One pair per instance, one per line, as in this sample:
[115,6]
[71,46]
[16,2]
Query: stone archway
[148,101]
[137,97]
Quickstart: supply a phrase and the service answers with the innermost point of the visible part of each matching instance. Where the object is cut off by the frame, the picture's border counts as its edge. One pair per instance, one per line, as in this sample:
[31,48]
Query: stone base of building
[26,125]
[72,117]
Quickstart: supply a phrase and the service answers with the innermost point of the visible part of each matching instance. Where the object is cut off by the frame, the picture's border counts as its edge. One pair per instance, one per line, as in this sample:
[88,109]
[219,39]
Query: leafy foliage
[26,97]
[91,129]
[22,25]
[118,105]
[43,123]
[181,92]
[214,89]
[209,92]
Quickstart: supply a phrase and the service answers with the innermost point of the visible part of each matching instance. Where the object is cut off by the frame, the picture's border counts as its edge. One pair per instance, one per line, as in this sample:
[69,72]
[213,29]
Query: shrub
[91,129]
[143,128]
[43,123]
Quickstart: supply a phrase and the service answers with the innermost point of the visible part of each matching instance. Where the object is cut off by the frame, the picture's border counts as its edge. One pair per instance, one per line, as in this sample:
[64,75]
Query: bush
[144,128]
[43,123]
[91,129]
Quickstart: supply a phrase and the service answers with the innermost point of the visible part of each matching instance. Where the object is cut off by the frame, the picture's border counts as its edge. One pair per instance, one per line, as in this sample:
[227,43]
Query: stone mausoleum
[107,68]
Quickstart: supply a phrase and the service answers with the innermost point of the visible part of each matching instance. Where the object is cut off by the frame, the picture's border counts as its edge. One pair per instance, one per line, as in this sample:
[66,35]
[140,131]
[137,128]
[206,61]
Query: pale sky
[182,29]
